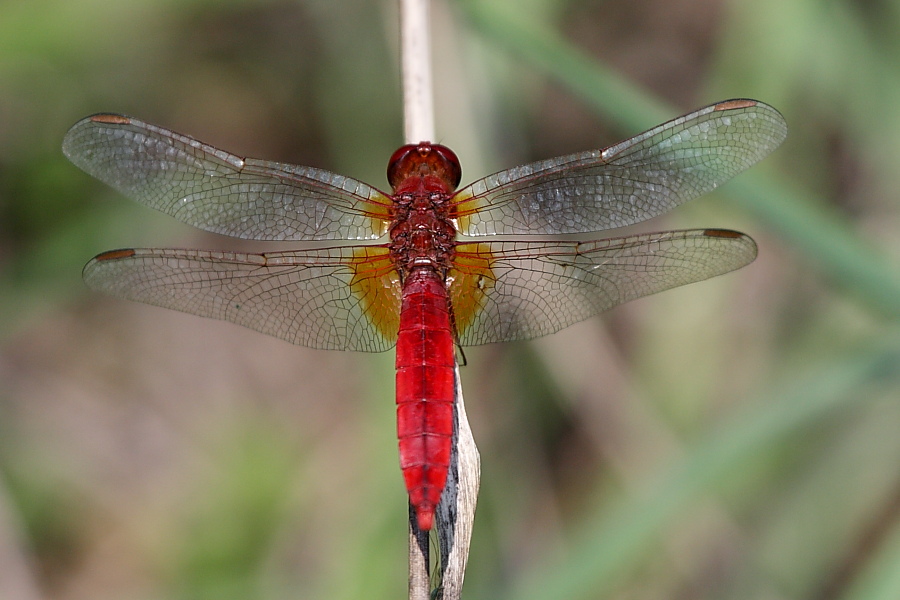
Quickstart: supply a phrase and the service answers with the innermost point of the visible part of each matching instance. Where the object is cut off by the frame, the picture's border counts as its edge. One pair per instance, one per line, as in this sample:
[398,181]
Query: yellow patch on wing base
[464,206]
[380,209]
[470,280]
[377,285]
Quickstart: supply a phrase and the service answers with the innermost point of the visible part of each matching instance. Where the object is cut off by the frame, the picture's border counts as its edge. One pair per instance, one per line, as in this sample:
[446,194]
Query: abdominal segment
[425,387]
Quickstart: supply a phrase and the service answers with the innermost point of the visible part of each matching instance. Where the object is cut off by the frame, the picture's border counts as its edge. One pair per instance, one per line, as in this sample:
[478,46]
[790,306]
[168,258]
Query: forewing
[216,191]
[334,299]
[624,184]
[504,291]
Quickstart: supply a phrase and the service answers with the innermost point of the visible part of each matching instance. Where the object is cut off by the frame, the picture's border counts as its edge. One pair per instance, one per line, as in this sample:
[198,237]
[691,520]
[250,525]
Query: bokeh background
[735,439]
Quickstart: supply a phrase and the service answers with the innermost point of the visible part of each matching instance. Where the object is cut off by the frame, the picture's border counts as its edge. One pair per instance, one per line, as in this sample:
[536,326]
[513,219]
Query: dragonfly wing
[335,299]
[624,184]
[216,191]
[504,291]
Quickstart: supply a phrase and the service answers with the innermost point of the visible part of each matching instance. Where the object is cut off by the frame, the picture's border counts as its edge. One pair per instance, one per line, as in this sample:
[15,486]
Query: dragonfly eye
[422,159]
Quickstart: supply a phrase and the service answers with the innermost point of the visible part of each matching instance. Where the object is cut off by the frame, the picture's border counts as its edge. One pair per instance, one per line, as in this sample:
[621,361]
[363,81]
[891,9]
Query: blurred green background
[735,439]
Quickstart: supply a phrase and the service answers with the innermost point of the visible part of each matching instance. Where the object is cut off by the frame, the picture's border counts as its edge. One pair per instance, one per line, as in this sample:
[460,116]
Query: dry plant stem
[415,58]
[456,511]
[453,519]
[418,119]
[419,579]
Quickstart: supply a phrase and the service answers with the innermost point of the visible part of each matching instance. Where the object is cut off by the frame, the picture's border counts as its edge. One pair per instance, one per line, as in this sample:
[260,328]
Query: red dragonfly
[423,289]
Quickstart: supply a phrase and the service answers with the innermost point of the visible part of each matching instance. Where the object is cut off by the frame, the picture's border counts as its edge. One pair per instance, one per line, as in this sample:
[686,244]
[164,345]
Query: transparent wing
[503,291]
[336,298]
[216,191]
[624,184]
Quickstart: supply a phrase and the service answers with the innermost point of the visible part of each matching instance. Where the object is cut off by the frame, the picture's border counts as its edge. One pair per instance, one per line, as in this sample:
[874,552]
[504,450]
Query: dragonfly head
[421,160]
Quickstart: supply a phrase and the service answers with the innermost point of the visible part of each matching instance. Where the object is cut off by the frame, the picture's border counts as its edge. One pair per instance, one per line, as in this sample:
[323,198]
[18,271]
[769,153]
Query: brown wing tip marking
[115,254]
[113,119]
[722,233]
[733,104]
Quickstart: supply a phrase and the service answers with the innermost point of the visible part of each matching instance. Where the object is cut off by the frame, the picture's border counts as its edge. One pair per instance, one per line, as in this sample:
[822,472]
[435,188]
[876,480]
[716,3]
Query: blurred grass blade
[881,579]
[820,233]
[606,551]
[600,87]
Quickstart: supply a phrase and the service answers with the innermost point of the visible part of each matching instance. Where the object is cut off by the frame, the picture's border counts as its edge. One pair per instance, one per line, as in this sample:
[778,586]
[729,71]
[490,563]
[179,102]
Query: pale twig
[454,516]
[415,60]
[419,579]
[456,511]
[418,126]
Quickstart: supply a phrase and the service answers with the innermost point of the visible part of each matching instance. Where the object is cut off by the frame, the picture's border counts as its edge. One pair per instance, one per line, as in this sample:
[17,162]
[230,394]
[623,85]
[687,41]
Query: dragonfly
[421,275]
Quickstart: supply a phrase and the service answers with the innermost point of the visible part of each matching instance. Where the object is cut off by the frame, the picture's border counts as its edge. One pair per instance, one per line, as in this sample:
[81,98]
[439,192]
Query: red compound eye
[423,159]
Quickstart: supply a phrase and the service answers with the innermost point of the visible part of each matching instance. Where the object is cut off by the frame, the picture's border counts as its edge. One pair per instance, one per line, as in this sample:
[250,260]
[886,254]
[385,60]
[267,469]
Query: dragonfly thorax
[422,233]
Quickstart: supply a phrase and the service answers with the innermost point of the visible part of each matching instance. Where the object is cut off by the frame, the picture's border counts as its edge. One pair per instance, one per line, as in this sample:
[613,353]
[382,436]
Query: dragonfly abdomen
[425,384]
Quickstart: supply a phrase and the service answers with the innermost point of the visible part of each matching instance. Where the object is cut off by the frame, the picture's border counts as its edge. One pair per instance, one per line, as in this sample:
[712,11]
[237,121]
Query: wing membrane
[526,290]
[624,184]
[308,298]
[216,191]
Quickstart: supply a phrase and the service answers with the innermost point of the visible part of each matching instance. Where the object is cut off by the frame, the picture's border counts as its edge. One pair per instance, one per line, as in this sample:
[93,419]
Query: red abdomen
[425,367]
